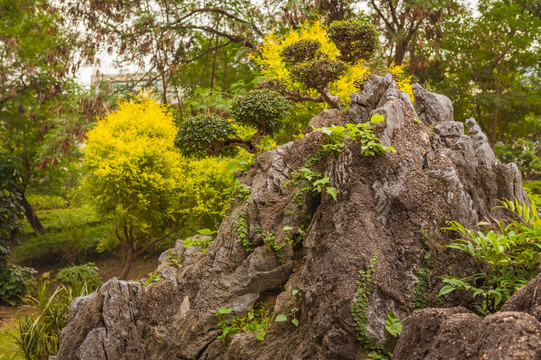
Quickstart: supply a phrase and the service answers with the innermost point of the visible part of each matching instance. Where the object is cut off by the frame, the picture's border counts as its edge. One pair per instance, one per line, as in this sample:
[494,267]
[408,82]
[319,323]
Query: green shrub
[507,253]
[79,276]
[197,135]
[301,51]
[356,40]
[39,333]
[14,281]
[317,74]
[73,235]
[256,320]
[261,108]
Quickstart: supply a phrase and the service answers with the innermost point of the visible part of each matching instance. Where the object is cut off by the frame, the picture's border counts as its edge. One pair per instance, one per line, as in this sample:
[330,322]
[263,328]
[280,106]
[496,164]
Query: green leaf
[377,118]
[446,289]
[287,228]
[393,324]
[295,322]
[223,310]
[331,190]
[261,335]
[281,318]
[294,292]
[206,232]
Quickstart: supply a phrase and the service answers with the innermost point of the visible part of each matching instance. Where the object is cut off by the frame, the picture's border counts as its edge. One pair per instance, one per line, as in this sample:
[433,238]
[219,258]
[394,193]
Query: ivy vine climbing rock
[391,204]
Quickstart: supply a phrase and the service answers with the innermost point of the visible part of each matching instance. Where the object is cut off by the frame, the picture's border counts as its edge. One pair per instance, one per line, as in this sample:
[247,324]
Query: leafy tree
[134,173]
[411,28]
[162,37]
[42,112]
[492,64]
[12,277]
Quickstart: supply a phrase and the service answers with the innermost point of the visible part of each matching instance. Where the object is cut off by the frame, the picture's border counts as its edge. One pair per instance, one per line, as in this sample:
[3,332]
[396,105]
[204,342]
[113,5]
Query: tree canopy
[133,174]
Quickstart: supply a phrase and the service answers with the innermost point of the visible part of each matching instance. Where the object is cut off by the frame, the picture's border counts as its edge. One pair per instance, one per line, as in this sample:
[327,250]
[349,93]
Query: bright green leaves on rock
[507,252]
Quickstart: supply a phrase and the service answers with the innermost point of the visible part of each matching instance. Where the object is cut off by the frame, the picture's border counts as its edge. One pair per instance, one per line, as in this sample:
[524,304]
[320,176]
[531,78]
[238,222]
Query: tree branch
[173,229]
[388,24]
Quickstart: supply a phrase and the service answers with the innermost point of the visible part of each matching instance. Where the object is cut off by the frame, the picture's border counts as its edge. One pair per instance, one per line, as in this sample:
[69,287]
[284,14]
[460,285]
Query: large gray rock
[455,334]
[384,206]
[432,108]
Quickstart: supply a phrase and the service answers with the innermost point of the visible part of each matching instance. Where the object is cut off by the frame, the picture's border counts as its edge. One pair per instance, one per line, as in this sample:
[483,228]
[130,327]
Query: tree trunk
[493,136]
[130,255]
[31,215]
[400,52]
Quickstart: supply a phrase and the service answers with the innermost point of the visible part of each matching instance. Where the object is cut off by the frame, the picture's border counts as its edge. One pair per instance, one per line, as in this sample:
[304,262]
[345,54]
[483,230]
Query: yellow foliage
[133,168]
[270,60]
[243,132]
[137,176]
[404,81]
[272,65]
[203,188]
[344,86]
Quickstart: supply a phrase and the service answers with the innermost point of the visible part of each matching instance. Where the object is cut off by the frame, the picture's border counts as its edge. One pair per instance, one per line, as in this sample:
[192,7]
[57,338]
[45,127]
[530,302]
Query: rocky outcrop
[513,333]
[386,205]
[458,334]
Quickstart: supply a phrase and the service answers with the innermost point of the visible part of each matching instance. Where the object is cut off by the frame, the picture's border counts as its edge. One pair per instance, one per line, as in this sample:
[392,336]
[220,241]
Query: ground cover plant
[507,253]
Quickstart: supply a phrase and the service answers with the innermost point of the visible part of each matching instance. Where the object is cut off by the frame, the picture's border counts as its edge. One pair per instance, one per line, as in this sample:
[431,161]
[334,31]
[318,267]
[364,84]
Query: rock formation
[513,333]
[389,206]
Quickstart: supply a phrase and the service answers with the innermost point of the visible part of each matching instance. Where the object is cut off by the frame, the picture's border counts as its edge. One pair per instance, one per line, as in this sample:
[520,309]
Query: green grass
[8,349]
[72,235]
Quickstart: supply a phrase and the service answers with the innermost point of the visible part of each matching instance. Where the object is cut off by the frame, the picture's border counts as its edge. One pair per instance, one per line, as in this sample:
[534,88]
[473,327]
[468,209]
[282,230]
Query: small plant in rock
[236,191]
[310,180]
[269,238]
[360,305]
[241,229]
[152,278]
[337,135]
[172,259]
[296,240]
[203,244]
[293,312]
[507,252]
[393,326]
[256,320]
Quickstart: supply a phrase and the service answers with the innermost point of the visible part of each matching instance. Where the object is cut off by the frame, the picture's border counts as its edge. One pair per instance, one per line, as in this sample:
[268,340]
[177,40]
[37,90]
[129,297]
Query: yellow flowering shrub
[203,189]
[273,66]
[133,168]
[270,59]
[404,81]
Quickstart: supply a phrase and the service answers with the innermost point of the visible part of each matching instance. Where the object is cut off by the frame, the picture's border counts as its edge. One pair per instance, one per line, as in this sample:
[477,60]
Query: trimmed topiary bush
[79,275]
[201,135]
[356,40]
[262,108]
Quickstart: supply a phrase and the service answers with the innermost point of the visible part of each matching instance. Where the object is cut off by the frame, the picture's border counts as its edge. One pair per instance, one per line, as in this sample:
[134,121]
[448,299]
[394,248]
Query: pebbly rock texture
[385,206]
[457,334]
[513,333]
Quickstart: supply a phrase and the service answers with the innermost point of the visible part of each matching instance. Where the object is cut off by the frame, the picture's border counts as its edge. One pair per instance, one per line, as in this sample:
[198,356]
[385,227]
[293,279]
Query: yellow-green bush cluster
[273,66]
